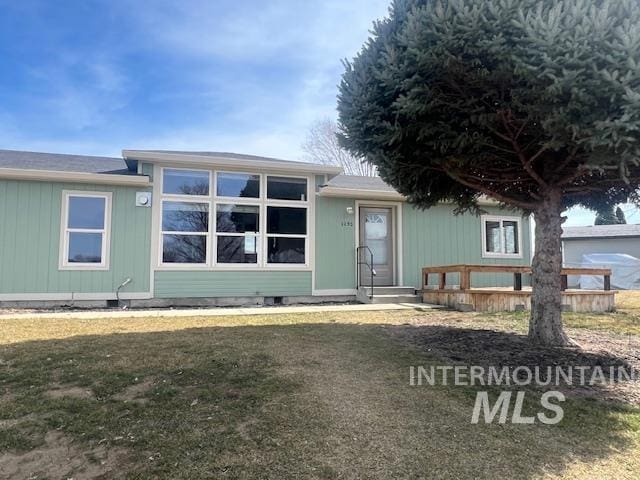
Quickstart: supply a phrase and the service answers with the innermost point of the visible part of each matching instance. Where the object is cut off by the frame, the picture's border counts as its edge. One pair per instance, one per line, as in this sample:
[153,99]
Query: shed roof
[600,231]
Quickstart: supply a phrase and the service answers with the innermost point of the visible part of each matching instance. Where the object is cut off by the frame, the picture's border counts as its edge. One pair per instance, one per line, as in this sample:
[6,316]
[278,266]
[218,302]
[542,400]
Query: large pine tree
[535,103]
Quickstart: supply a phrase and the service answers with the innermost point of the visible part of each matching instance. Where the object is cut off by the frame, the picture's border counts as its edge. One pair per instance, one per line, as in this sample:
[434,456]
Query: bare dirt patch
[135,393]
[494,348]
[59,458]
[69,391]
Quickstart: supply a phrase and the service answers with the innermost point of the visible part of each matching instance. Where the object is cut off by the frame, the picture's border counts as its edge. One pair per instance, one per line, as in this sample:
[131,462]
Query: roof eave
[221,161]
[365,194]
[74,177]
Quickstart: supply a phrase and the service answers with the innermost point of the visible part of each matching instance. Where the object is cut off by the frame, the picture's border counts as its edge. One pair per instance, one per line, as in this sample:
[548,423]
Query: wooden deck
[518,297]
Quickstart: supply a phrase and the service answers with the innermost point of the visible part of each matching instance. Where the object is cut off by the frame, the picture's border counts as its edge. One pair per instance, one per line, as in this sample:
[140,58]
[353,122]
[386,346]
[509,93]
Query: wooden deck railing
[466,270]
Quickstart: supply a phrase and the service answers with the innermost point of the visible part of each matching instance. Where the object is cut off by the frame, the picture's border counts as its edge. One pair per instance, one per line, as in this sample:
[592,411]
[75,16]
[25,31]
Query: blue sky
[94,77]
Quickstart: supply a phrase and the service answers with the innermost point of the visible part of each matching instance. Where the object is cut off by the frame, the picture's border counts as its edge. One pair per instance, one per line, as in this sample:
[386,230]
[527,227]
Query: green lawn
[293,396]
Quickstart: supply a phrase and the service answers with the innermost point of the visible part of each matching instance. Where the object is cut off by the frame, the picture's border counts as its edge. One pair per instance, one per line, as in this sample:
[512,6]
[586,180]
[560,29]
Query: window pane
[493,237]
[184,249]
[510,236]
[185,182]
[286,220]
[185,217]
[86,212]
[237,249]
[237,218]
[285,250]
[85,247]
[283,188]
[238,185]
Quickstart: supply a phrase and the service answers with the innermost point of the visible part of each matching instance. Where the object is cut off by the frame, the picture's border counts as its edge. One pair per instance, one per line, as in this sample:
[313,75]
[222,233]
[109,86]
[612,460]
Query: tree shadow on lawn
[296,401]
[617,358]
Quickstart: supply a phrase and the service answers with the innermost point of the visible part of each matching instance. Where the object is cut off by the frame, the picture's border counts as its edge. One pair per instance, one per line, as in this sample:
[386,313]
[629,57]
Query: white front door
[376,233]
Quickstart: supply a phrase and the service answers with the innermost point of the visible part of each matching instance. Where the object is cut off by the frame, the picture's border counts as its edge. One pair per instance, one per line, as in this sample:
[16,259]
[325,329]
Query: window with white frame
[186,207]
[86,222]
[501,237]
[257,220]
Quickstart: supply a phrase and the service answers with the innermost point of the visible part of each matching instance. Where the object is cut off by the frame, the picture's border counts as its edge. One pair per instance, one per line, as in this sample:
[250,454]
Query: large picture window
[501,237]
[86,220]
[248,220]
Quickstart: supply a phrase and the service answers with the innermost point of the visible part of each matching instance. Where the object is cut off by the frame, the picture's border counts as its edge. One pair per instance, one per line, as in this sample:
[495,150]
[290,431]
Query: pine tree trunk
[545,325]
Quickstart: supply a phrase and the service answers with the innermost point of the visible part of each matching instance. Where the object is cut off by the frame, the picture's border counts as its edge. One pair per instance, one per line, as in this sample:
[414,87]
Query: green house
[159,228]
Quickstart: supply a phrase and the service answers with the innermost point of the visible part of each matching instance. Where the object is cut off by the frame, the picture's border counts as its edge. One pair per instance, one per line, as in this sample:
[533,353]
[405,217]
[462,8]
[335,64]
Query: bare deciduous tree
[321,146]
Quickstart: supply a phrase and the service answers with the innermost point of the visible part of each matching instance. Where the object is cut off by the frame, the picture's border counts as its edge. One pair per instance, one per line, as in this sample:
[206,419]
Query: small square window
[185,217]
[185,182]
[285,250]
[237,249]
[241,185]
[190,249]
[501,237]
[287,220]
[237,218]
[285,188]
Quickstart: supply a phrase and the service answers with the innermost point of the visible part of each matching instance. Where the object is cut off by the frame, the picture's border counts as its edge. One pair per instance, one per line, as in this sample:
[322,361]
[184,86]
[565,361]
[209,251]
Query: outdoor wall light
[350,210]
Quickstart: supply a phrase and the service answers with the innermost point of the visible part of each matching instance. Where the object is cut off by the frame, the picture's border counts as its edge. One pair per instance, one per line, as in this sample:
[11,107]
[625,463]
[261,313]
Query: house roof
[227,159]
[56,167]
[600,231]
[63,162]
[353,186]
[360,183]
[366,188]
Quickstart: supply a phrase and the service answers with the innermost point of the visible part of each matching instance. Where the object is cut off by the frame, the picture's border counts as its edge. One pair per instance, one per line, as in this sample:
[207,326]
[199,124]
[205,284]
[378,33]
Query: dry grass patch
[284,397]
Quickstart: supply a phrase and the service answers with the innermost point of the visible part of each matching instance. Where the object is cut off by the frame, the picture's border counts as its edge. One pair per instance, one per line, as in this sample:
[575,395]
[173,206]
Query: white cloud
[307,38]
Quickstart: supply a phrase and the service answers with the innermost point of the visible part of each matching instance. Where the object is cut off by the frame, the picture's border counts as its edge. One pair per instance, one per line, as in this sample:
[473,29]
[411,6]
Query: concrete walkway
[218,312]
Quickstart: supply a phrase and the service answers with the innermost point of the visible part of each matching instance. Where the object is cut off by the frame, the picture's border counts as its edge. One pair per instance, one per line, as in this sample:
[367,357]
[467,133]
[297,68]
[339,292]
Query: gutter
[74,177]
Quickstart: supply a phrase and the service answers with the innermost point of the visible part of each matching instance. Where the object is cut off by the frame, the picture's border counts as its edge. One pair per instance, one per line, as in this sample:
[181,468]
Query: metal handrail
[370,265]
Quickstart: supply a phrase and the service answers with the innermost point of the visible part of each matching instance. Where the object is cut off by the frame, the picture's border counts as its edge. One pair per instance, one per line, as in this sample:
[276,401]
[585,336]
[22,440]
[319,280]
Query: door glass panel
[376,236]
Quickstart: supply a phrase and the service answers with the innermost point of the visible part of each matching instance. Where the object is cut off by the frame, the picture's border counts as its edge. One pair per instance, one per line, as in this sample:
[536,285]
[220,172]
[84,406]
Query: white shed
[579,241]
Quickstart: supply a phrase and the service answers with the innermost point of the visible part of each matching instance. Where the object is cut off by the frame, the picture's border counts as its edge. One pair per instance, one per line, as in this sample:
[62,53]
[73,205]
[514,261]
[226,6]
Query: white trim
[43,297]
[396,208]
[63,262]
[500,218]
[156,211]
[74,177]
[221,162]
[334,292]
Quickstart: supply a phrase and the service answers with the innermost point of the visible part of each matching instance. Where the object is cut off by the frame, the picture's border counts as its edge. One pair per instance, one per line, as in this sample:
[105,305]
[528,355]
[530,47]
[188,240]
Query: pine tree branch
[498,196]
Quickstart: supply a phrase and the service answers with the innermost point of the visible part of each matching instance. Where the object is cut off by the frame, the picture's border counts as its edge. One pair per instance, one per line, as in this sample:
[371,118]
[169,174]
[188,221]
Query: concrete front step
[394,299]
[390,290]
[388,295]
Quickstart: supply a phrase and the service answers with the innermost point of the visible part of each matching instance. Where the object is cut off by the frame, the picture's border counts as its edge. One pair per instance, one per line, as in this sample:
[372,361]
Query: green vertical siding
[192,284]
[430,237]
[438,237]
[335,244]
[30,241]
